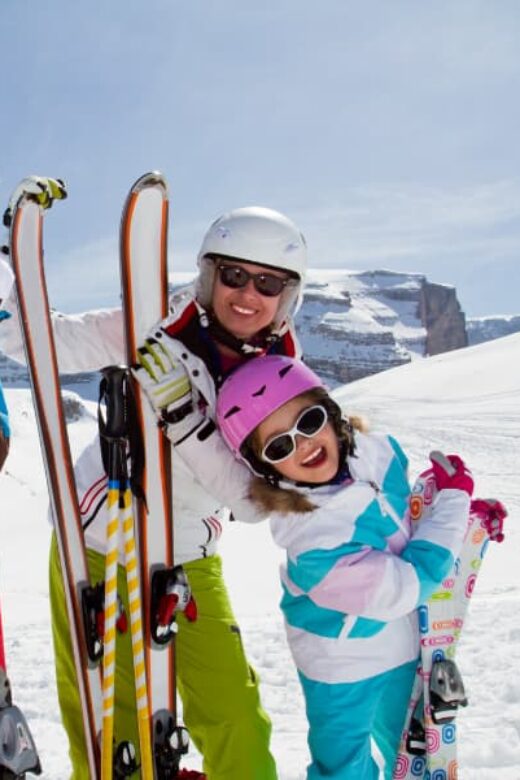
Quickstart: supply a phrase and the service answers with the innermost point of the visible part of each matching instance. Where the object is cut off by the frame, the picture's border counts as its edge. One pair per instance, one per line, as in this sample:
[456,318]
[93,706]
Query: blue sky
[389,131]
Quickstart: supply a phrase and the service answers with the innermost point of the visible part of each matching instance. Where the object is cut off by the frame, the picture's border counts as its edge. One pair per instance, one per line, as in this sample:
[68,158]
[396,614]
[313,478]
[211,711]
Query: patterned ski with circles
[441,621]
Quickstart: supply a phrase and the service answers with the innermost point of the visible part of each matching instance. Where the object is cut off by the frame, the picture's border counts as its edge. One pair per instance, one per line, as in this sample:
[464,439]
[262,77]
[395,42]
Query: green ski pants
[219,690]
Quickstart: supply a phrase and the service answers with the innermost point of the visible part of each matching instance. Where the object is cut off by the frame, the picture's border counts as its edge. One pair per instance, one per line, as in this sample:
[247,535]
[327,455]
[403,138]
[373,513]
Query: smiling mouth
[242,310]
[316,458]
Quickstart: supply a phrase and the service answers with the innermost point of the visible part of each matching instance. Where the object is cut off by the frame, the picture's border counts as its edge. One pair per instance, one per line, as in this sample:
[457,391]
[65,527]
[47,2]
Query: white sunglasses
[309,423]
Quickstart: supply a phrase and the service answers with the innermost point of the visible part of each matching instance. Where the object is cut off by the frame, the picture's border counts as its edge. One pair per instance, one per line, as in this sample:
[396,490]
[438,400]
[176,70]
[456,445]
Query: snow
[467,402]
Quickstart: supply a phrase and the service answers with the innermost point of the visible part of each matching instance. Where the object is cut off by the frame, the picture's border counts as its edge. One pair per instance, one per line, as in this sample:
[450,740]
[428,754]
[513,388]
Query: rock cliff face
[353,324]
[443,318]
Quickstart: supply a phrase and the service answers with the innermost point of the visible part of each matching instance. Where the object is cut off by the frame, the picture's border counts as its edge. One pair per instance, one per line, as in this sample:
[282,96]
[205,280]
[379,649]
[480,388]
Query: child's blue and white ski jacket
[354,576]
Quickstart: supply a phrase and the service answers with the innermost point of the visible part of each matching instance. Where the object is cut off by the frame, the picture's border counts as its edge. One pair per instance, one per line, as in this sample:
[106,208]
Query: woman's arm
[84,342]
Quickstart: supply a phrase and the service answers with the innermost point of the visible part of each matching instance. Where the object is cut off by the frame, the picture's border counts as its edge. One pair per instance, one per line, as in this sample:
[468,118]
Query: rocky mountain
[481,329]
[353,324]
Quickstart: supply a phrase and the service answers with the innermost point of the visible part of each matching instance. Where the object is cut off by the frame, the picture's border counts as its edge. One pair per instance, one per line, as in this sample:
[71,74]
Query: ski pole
[109,638]
[116,388]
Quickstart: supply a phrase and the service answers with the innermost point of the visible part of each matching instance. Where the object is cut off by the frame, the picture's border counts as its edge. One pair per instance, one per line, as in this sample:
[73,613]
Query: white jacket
[91,340]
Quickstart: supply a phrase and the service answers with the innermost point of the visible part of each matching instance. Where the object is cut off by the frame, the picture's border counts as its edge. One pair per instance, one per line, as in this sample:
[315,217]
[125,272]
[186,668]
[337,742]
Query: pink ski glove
[492,514]
[451,473]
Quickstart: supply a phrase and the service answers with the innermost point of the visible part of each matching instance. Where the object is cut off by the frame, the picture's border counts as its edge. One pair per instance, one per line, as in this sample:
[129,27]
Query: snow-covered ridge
[480,329]
[356,323]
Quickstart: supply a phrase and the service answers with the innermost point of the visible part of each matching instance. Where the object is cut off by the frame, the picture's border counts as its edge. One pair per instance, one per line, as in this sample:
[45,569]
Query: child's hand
[451,473]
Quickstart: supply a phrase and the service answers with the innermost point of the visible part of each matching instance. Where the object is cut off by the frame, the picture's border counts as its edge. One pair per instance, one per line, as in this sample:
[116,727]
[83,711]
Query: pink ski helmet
[255,390]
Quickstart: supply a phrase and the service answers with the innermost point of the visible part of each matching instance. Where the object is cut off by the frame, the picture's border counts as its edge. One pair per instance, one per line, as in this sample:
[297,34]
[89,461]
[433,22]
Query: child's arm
[382,586]
[438,538]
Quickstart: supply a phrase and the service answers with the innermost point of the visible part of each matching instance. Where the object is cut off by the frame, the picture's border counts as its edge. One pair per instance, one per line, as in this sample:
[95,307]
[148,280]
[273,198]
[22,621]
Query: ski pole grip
[115,391]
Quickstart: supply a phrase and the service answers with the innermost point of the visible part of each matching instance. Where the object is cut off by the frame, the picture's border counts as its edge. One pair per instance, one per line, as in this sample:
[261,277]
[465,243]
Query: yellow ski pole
[109,641]
[136,628]
[115,388]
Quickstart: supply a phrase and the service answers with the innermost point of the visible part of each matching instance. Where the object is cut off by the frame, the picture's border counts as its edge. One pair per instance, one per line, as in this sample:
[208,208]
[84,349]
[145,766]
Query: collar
[342,477]
[257,346]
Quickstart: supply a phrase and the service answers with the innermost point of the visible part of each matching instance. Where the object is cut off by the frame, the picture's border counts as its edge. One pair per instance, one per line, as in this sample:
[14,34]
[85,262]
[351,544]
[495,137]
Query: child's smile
[315,459]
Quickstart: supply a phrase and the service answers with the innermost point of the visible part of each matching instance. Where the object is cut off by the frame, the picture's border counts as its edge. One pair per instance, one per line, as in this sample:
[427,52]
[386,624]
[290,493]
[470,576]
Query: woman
[251,272]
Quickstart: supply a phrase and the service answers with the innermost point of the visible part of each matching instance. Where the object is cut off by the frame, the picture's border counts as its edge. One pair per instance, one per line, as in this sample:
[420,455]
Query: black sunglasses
[310,422]
[267,284]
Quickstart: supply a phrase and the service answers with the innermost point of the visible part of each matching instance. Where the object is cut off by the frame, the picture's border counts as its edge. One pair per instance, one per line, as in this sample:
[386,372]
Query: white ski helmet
[255,235]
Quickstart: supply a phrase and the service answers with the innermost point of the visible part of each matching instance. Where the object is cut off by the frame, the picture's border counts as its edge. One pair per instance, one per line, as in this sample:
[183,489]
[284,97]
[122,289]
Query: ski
[145,302]
[428,747]
[144,282]
[18,753]
[26,251]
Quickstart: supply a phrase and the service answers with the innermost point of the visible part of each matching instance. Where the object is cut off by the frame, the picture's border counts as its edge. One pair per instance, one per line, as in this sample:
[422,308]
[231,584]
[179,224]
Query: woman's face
[314,459]
[243,311]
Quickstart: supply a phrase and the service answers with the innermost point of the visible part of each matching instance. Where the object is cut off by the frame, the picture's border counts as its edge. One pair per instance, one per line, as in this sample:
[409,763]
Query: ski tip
[439,457]
[150,179]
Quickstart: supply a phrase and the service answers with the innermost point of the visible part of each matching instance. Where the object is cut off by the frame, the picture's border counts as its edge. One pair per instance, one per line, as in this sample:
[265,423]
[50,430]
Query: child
[338,499]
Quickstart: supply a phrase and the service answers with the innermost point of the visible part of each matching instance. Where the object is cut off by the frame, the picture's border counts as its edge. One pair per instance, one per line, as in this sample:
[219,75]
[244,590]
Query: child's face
[314,459]
[244,311]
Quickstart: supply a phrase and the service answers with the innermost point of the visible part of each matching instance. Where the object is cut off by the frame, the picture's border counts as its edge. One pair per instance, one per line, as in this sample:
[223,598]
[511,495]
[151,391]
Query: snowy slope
[466,401]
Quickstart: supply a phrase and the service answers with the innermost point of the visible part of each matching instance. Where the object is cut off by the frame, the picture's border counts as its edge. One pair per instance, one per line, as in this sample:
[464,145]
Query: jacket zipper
[387,508]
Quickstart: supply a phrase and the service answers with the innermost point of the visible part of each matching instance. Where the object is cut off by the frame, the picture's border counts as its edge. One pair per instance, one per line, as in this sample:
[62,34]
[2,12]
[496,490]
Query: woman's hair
[265,490]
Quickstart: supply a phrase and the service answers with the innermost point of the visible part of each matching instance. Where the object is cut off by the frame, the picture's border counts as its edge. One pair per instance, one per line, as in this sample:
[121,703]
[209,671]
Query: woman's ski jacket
[88,341]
